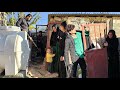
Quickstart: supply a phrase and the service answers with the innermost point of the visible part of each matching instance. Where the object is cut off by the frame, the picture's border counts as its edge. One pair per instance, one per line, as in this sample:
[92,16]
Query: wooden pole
[95,36]
[84,39]
[100,35]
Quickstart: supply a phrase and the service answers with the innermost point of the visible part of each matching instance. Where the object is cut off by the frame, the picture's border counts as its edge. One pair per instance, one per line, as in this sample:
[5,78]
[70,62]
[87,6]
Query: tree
[35,19]
[21,15]
[3,19]
[11,18]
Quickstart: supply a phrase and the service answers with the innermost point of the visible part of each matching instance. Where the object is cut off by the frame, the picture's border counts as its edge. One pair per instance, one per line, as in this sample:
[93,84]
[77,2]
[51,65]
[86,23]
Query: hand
[85,58]
[106,44]
[30,38]
[53,54]
[61,58]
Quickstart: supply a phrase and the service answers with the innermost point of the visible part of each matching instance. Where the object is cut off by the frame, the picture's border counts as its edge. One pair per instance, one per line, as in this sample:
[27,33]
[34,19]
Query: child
[49,59]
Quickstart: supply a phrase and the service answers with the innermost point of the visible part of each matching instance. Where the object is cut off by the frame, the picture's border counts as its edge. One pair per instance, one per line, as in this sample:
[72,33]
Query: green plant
[35,19]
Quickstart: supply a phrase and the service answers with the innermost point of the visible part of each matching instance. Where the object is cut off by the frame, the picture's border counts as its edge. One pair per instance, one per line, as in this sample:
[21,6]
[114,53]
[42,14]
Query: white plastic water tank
[14,49]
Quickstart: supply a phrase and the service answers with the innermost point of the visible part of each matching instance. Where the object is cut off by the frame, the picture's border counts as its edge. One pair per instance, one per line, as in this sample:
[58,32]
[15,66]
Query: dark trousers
[113,69]
[82,64]
[55,63]
[48,67]
[62,70]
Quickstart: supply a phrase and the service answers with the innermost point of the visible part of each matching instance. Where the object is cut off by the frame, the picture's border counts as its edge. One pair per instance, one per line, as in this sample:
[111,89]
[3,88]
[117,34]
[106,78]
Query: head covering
[64,24]
[113,32]
[55,25]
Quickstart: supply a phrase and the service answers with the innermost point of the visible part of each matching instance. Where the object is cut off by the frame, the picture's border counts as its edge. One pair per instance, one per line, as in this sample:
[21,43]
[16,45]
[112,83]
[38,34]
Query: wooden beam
[84,39]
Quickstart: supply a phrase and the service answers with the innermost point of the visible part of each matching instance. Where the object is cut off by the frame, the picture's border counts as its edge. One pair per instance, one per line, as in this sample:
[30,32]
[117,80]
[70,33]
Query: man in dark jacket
[61,39]
[23,23]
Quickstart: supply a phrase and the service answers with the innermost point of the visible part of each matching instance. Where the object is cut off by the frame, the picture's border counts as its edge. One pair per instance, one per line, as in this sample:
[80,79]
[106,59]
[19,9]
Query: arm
[51,40]
[114,45]
[19,23]
[51,55]
[66,52]
[63,46]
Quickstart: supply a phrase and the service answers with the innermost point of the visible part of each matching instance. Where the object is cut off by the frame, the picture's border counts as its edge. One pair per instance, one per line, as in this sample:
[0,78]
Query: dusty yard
[37,69]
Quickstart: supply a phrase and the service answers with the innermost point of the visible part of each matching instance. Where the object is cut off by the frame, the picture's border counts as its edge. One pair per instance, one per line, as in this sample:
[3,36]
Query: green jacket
[79,45]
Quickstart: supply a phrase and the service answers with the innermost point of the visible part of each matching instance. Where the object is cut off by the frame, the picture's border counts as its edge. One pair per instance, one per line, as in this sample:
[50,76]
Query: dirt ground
[37,70]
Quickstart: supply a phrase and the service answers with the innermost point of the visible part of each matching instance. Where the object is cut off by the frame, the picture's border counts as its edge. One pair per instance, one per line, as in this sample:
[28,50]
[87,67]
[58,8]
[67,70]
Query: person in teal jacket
[74,44]
[79,50]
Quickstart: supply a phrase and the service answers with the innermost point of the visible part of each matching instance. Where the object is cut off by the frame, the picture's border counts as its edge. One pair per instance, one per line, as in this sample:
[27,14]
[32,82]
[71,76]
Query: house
[100,22]
[112,20]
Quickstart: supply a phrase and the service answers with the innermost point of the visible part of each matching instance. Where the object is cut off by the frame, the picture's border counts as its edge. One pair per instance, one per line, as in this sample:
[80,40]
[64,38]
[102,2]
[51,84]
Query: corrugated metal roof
[84,14]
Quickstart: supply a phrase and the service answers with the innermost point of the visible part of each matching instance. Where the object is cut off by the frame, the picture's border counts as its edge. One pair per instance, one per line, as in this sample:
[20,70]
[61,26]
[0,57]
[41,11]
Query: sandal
[30,74]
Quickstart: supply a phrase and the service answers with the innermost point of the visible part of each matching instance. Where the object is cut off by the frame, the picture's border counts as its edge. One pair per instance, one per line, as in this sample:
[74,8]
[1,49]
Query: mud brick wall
[77,21]
[113,24]
[116,27]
